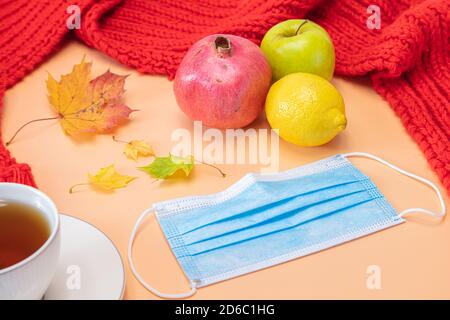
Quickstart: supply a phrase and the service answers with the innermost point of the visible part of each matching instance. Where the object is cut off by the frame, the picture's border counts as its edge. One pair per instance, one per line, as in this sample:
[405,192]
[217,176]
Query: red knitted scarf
[407,58]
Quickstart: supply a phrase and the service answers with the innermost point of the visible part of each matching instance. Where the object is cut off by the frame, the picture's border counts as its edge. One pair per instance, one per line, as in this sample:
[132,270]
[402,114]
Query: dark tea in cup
[23,230]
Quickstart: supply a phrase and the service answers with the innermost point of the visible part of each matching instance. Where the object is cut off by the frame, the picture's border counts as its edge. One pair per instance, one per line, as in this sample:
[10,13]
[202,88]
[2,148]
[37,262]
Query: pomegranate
[223,81]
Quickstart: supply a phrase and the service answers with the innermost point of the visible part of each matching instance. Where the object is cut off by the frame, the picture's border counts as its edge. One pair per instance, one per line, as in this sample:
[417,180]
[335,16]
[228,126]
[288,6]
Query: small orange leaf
[138,148]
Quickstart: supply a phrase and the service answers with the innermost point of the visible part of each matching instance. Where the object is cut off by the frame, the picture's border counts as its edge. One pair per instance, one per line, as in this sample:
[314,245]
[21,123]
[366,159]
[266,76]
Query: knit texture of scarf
[407,58]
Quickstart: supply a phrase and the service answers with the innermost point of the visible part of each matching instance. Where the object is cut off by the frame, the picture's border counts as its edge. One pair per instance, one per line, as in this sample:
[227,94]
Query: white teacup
[30,278]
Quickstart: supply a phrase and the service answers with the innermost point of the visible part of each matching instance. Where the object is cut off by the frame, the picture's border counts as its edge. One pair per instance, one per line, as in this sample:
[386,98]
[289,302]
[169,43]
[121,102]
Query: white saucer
[90,267]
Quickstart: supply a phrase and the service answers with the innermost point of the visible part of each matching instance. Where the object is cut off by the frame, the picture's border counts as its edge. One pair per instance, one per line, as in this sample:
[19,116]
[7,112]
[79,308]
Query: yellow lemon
[306,109]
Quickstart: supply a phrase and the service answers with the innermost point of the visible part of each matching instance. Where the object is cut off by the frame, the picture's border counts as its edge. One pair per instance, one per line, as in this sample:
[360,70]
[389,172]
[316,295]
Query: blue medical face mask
[266,219]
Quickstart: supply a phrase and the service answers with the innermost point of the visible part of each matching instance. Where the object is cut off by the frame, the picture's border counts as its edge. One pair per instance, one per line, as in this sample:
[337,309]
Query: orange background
[414,257]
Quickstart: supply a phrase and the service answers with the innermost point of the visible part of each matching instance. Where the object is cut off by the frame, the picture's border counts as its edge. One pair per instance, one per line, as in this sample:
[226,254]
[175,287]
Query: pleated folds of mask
[266,219]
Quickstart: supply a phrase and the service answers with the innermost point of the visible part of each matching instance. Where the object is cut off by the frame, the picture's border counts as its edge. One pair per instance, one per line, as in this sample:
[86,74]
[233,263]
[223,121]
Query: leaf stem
[77,185]
[213,166]
[26,124]
[118,140]
[298,29]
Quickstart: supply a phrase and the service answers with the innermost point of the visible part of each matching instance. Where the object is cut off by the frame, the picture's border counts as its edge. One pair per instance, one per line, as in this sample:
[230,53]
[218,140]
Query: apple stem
[303,23]
[223,46]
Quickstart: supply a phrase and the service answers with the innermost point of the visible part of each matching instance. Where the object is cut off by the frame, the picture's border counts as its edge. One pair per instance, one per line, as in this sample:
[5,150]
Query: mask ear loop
[138,276]
[408,174]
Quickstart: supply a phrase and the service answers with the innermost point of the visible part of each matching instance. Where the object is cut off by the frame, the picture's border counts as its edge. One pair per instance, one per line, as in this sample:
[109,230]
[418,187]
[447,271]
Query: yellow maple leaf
[88,106]
[138,148]
[107,179]
[84,105]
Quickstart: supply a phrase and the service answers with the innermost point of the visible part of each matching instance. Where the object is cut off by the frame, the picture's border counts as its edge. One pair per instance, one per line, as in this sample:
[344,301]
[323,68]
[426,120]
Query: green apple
[299,46]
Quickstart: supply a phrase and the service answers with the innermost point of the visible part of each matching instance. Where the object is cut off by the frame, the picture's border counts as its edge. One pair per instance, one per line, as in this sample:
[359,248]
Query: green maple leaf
[164,167]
